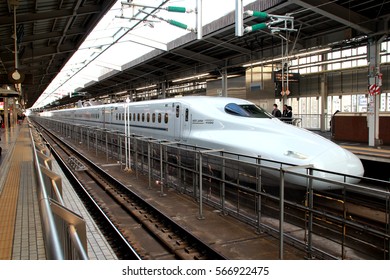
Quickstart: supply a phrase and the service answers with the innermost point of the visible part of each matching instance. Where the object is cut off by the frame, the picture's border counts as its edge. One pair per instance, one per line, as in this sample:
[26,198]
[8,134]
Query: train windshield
[246,110]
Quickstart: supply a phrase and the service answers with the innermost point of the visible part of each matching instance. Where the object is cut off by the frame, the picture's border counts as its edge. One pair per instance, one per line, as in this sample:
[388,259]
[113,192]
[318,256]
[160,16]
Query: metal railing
[252,189]
[64,231]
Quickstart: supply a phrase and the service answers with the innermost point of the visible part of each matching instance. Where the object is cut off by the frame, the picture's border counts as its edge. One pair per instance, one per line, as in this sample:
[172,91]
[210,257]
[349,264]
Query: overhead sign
[292,77]
[8,93]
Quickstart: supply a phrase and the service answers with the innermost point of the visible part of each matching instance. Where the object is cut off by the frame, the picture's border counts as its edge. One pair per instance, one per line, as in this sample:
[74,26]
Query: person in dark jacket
[287,114]
[276,112]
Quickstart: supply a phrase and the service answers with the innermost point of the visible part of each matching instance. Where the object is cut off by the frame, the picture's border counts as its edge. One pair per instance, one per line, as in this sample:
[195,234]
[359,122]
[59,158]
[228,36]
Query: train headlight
[295,155]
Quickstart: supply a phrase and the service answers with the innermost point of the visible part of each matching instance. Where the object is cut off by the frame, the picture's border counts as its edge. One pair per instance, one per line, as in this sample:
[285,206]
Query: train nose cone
[340,161]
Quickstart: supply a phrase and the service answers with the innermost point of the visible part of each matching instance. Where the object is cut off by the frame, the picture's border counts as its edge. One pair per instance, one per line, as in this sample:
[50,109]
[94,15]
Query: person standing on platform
[276,112]
[287,114]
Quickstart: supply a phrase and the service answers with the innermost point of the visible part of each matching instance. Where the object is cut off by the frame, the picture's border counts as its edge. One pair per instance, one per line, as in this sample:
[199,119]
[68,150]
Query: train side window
[138,117]
[143,117]
[134,117]
[159,117]
[154,117]
[186,115]
[129,117]
[177,111]
[166,118]
[148,117]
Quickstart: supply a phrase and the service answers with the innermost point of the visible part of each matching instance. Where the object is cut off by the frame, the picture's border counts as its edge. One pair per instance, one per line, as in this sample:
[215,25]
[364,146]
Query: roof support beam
[195,56]
[338,13]
[50,15]
[228,46]
[145,42]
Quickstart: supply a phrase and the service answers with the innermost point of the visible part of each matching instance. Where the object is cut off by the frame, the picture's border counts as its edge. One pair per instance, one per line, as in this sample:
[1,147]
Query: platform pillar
[373,96]
[224,83]
[5,117]
[324,103]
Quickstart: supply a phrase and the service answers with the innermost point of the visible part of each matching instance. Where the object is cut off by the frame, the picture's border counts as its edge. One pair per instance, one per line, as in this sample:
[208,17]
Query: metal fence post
[258,189]
[106,146]
[311,204]
[161,171]
[223,190]
[149,167]
[201,217]
[96,142]
[281,214]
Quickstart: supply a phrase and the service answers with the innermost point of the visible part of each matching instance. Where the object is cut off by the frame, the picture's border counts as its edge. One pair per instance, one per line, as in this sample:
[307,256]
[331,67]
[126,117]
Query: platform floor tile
[98,247]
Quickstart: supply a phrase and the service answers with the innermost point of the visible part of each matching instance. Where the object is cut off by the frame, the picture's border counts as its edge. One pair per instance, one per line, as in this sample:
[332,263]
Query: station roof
[49,33]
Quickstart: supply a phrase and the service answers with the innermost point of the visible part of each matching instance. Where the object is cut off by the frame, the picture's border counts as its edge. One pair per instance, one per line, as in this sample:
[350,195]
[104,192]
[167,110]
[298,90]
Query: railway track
[135,229]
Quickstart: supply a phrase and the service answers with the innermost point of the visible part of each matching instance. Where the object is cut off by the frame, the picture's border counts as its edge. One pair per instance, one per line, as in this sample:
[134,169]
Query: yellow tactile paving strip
[9,195]
[375,152]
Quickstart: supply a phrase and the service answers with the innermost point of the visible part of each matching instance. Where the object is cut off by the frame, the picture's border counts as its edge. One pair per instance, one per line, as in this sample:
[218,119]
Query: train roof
[193,100]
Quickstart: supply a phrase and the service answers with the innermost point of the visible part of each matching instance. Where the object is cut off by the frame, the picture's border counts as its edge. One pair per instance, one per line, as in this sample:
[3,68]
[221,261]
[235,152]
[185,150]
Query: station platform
[21,236]
[362,150]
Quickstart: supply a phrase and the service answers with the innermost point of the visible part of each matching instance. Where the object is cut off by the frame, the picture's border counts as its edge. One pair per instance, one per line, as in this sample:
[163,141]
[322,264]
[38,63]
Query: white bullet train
[232,124]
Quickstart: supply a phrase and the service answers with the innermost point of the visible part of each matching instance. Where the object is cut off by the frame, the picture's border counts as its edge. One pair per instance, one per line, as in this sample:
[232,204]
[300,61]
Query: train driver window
[177,111]
[246,110]
[166,118]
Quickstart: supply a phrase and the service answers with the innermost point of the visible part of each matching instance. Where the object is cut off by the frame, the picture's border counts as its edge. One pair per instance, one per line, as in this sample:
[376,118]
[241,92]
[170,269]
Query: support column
[324,104]
[164,90]
[15,112]
[6,121]
[373,99]
[199,15]
[239,18]
[224,83]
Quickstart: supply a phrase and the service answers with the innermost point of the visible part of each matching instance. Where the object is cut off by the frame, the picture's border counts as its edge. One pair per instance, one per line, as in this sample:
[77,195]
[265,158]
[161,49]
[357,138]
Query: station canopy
[126,33]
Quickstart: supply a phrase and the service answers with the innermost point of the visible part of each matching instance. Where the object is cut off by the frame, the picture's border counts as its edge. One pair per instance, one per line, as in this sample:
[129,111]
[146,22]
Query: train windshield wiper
[246,110]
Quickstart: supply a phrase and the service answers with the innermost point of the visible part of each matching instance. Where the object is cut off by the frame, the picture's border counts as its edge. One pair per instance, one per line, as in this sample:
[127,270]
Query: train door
[177,122]
[186,123]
